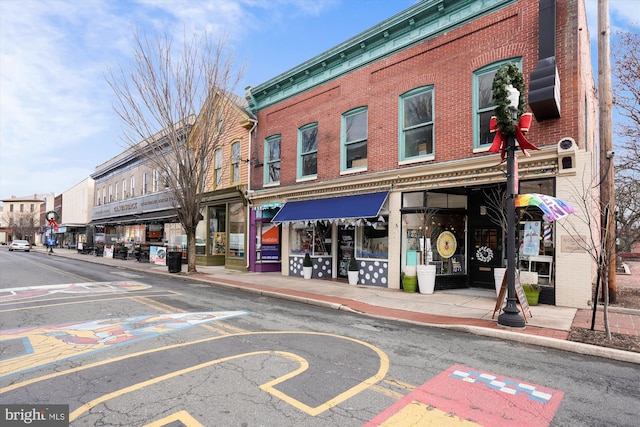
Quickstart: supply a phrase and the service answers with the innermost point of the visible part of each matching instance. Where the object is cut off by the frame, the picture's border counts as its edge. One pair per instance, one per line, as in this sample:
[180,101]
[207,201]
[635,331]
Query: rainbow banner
[552,207]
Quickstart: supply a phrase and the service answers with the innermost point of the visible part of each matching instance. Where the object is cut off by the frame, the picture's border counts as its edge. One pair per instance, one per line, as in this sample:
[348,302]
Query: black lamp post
[50,238]
[510,316]
[52,217]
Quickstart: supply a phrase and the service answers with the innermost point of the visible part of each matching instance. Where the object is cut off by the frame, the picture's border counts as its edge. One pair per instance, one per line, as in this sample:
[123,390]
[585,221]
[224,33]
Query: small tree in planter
[307,266]
[353,271]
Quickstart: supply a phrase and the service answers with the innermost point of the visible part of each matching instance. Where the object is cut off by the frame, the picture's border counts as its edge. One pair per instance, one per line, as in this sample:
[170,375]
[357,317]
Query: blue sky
[56,118]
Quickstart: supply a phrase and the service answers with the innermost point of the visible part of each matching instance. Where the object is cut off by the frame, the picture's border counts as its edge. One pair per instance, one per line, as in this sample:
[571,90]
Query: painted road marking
[182,417]
[357,374]
[464,394]
[44,345]
[16,294]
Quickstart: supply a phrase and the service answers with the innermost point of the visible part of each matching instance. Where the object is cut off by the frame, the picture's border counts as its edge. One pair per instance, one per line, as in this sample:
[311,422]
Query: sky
[57,122]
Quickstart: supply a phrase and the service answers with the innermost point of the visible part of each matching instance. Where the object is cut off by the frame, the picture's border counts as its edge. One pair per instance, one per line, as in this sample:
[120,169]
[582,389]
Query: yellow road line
[83,301]
[181,416]
[269,387]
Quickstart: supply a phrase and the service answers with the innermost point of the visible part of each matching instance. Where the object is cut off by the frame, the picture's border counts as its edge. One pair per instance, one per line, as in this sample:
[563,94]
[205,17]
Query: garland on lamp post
[507,75]
[503,124]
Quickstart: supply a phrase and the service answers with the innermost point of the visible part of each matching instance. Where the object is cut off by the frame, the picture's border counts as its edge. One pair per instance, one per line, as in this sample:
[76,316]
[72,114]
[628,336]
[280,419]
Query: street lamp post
[50,238]
[52,217]
[510,316]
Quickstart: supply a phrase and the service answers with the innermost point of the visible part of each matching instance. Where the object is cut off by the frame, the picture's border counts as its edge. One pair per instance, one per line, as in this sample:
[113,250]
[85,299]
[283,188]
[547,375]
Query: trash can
[174,262]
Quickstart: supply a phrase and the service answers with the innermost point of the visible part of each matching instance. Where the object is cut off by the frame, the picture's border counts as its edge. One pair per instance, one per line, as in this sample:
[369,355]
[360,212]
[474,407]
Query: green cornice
[414,25]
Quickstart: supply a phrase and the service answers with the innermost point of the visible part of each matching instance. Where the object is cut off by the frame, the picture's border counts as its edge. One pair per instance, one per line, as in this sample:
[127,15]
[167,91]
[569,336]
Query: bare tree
[627,211]
[176,103]
[496,202]
[626,93]
[23,225]
[596,243]
[626,79]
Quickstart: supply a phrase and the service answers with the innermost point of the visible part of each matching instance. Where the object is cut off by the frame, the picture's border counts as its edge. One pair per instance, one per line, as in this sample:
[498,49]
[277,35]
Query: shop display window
[237,225]
[372,241]
[314,239]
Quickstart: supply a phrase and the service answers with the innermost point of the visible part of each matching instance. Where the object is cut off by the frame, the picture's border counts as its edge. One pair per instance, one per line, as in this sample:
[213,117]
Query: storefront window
[201,236]
[217,230]
[372,241]
[314,239]
[237,224]
[434,231]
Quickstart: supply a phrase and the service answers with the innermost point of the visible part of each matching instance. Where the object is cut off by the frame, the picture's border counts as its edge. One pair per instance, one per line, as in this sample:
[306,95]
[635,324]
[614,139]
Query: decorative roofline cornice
[414,25]
[480,170]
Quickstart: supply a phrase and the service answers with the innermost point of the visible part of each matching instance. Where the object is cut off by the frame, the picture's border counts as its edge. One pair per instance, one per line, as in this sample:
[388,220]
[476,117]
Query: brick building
[379,148]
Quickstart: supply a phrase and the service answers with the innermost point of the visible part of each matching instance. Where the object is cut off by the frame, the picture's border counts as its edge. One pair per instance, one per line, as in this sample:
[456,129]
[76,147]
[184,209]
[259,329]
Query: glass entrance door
[346,247]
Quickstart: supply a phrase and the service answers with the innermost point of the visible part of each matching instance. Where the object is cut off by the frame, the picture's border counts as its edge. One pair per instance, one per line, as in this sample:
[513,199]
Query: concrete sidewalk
[470,310]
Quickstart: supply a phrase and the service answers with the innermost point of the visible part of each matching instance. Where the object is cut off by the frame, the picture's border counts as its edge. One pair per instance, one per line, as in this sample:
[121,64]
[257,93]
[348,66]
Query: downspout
[255,123]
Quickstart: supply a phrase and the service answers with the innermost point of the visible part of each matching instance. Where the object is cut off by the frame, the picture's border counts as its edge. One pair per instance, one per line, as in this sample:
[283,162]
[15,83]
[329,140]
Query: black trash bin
[174,262]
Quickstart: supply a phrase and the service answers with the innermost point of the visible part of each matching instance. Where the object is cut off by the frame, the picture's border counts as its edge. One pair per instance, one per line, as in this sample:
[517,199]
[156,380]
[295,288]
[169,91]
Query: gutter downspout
[255,123]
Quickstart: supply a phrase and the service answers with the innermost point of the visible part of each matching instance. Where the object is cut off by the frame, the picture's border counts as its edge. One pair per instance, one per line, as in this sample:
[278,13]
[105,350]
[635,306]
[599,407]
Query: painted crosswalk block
[38,346]
[466,396]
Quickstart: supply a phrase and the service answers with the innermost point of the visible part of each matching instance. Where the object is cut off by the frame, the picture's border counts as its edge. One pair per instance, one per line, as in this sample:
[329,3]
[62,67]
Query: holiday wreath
[484,254]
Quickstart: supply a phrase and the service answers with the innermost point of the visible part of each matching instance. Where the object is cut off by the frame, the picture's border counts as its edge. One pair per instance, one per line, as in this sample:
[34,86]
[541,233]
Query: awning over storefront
[167,215]
[333,209]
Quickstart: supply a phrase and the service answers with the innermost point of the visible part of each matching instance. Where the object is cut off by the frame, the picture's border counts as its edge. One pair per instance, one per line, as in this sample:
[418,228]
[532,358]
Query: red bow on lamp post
[53,224]
[500,140]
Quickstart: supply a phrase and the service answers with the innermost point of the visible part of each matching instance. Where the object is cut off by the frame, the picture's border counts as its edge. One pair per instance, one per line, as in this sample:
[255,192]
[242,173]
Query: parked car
[19,245]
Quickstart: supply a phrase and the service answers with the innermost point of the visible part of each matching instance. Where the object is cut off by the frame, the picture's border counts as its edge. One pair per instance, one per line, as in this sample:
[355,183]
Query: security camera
[610,154]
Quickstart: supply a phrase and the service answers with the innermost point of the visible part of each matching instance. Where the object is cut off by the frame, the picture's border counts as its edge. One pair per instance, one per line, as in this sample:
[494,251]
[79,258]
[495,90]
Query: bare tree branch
[175,103]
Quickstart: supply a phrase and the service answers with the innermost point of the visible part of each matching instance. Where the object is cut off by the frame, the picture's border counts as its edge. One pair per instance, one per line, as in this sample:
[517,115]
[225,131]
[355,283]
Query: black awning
[167,215]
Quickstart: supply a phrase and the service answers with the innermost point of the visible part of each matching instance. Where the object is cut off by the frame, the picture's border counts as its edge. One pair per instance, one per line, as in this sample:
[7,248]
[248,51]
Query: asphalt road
[130,349]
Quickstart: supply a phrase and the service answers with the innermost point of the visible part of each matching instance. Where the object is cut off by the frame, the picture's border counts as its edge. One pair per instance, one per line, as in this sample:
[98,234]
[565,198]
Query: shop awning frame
[167,215]
[333,209]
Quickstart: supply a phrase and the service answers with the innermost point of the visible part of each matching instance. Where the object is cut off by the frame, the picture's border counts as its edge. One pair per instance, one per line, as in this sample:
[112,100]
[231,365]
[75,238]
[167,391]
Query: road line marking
[269,387]
[182,417]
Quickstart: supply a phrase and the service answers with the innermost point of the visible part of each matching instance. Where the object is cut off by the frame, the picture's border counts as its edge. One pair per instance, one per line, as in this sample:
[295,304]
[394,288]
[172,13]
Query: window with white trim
[483,105]
[416,123]
[235,162]
[354,133]
[272,160]
[308,151]
[218,167]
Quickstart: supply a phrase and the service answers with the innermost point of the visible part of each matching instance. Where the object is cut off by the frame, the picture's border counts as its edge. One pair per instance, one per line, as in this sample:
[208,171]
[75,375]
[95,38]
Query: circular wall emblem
[447,244]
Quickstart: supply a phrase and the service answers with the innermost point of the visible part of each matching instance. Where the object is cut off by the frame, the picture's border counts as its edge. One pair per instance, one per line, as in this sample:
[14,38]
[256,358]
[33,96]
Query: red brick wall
[447,62]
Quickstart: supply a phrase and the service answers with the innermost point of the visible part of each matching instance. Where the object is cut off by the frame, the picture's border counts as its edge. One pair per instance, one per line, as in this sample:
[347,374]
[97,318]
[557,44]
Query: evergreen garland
[508,74]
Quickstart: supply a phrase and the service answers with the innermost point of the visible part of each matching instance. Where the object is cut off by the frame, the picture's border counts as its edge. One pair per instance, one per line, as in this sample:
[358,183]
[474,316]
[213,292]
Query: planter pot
[532,295]
[426,278]
[410,283]
[306,272]
[353,277]
[498,276]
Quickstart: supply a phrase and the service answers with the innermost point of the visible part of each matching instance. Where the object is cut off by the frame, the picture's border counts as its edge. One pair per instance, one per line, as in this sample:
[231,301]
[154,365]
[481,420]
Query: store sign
[270,242]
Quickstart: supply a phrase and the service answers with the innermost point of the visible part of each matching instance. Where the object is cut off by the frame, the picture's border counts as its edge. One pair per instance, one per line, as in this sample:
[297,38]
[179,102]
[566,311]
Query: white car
[19,245]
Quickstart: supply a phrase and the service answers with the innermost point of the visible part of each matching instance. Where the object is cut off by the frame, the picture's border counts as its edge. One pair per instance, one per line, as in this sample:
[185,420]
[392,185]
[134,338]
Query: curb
[558,344]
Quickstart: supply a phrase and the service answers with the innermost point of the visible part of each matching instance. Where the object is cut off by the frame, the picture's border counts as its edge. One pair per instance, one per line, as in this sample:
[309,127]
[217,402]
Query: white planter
[498,276]
[353,277]
[306,272]
[426,278]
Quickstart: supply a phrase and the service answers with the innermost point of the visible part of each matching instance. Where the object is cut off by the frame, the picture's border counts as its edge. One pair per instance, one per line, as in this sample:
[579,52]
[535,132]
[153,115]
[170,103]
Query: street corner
[466,396]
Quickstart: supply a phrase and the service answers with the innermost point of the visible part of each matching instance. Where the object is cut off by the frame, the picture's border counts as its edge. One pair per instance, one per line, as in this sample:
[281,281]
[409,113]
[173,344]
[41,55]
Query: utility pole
[607,193]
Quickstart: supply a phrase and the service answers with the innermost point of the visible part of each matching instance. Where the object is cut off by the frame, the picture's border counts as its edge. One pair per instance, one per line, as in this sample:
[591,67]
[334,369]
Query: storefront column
[395,226]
